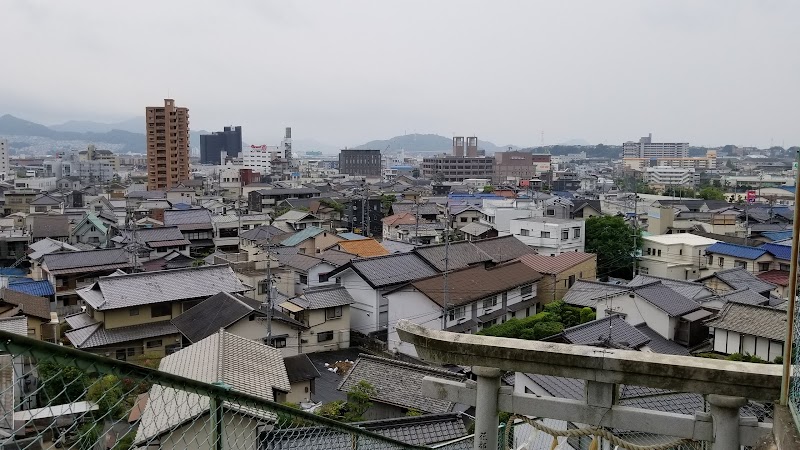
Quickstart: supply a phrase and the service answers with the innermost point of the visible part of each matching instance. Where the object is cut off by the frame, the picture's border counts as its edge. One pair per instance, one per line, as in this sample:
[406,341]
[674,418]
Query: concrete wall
[586,270]
[256,330]
[319,324]
[637,311]
[553,244]
[410,304]
[364,312]
[729,342]
[301,392]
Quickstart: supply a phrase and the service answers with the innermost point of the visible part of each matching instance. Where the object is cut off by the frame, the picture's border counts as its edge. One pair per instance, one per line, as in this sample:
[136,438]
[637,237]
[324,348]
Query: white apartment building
[678,256]
[661,177]
[549,235]
[4,163]
[646,148]
[259,157]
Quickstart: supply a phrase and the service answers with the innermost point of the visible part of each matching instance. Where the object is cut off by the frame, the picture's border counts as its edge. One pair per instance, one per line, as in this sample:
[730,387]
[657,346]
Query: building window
[545,234]
[571,280]
[462,219]
[659,252]
[742,264]
[161,310]
[680,252]
[648,250]
[576,233]
[280,342]
[490,302]
[457,313]
[153,344]
[131,351]
[333,313]
[551,212]
[526,290]
[303,279]
[564,235]
[710,259]
[133,311]
[263,287]
[784,267]
[524,233]
[721,261]
[763,267]
[325,336]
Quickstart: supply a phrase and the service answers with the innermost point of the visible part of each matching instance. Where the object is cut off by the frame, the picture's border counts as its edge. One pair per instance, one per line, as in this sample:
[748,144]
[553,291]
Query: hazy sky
[345,72]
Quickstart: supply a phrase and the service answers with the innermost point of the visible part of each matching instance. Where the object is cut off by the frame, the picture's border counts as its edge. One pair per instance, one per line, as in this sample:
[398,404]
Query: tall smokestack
[458,146]
[472,147]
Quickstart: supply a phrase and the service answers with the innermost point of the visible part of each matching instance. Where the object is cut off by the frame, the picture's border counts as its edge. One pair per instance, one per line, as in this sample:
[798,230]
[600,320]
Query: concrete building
[167,145]
[664,177]
[227,141]
[365,163]
[646,148]
[678,256]
[457,168]
[465,146]
[513,166]
[4,165]
[549,235]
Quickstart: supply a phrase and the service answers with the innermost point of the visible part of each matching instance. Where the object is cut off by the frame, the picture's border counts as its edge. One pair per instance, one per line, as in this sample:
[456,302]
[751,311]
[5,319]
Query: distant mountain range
[125,136]
[427,143]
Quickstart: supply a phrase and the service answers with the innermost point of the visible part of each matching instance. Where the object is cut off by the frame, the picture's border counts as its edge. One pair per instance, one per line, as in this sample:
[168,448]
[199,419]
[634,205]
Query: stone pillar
[725,420]
[486,415]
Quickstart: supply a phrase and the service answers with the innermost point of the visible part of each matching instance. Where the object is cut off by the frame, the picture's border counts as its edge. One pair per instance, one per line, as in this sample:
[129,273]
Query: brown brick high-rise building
[167,145]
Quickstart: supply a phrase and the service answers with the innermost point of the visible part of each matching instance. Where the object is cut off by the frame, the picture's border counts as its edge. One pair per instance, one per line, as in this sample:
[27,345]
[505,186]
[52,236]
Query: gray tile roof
[586,292]
[261,233]
[459,255]
[504,248]
[247,366]
[301,261]
[761,321]
[146,288]
[95,336]
[739,278]
[50,226]
[475,228]
[323,297]
[207,317]
[611,330]
[398,383]
[300,368]
[562,387]
[659,344]
[666,299]
[336,257]
[676,402]
[747,296]
[388,270]
[688,289]
[87,260]
[79,320]
[187,217]
[149,235]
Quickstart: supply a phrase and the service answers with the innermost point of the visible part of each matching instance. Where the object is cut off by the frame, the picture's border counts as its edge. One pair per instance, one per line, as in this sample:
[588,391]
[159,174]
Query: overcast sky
[345,72]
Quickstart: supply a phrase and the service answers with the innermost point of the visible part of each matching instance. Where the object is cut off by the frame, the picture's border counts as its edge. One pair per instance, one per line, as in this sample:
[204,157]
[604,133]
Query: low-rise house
[364,248]
[181,194]
[38,249]
[302,374]
[70,271]
[266,199]
[470,299]
[724,256]
[300,271]
[243,317]
[128,315]
[172,260]
[549,235]
[226,232]
[175,418]
[153,243]
[326,313]
[398,387]
[294,220]
[584,209]
[41,324]
[464,215]
[93,231]
[311,240]
[679,256]
[753,329]
[45,202]
[560,272]
[55,226]
[736,279]
[474,231]
[196,227]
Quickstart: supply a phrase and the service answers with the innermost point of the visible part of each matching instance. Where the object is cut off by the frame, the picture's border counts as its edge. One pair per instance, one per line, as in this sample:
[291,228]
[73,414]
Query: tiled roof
[779,251]
[50,226]
[736,251]
[151,235]
[261,233]
[93,259]
[79,320]
[777,235]
[351,236]
[363,247]
[504,248]
[586,292]
[688,289]
[302,235]
[555,264]
[300,368]
[207,317]
[761,321]
[608,331]
[474,283]
[164,286]
[397,246]
[94,336]
[247,366]
[739,278]
[323,297]
[294,215]
[398,383]
[389,270]
[47,245]
[336,257]
[459,255]
[300,261]
[45,199]
[475,228]
[187,217]
[30,305]
[747,296]
[659,344]
[666,299]
[401,219]
[777,277]
[41,288]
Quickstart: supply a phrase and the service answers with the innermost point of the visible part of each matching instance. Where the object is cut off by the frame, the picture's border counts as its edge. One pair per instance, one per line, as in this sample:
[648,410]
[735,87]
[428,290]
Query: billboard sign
[751,196]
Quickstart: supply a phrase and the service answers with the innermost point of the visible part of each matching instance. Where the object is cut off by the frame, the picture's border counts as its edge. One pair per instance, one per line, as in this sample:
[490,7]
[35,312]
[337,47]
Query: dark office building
[211,145]
[366,163]
[354,215]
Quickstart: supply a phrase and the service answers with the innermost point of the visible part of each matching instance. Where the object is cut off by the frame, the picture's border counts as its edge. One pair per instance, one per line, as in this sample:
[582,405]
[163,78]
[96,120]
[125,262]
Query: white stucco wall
[410,304]
[637,311]
[364,312]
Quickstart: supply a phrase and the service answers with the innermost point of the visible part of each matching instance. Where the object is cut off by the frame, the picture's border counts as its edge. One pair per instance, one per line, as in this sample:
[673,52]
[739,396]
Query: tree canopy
[711,193]
[555,317]
[612,239]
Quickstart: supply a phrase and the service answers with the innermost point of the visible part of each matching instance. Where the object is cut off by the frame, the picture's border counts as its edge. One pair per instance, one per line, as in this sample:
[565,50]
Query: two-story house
[470,299]
[560,272]
[196,226]
[550,235]
[724,256]
[745,328]
[301,271]
[680,256]
[69,271]
[325,312]
[93,230]
[130,315]
[226,232]
[153,243]
[310,240]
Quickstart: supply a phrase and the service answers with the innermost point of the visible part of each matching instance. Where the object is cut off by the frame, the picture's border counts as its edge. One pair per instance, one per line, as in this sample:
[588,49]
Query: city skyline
[707,73]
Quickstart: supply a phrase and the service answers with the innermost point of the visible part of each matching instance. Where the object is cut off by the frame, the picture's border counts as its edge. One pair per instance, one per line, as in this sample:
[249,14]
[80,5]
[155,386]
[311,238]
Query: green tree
[587,315]
[88,435]
[61,384]
[711,193]
[108,395]
[386,202]
[612,239]
[488,189]
[358,401]
[729,164]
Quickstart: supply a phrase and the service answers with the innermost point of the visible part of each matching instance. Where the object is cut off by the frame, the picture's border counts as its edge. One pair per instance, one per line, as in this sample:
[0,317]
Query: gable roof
[50,225]
[586,292]
[95,335]
[294,215]
[247,366]
[363,247]
[83,261]
[146,288]
[40,248]
[736,251]
[398,383]
[29,305]
[320,298]
[93,220]
[188,218]
[300,368]
[302,235]
[474,283]
[383,271]
[152,235]
[761,321]
[261,233]
[39,288]
[475,228]
[777,235]
[779,251]
[301,261]
[688,289]
[336,257]
[746,296]
[666,299]
[612,331]
[555,264]
[459,255]
[739,278]
[503,248]
[659,344]
[46,199]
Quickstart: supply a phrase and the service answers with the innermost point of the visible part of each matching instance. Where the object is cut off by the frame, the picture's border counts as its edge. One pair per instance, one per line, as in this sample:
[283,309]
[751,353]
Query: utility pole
[268,299]
[416,217]
[788,346]
[446,264]
[635,230]
[364,210]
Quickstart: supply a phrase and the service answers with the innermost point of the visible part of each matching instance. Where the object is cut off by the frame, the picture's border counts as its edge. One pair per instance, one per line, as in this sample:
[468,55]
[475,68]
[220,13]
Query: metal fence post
[486,417]
[725,420]
[217,416]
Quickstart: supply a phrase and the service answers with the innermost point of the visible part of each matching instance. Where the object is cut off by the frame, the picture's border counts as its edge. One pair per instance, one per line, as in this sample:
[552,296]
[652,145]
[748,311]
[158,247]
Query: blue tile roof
[779,251]
[301,236]
[777,235]
[41,288]
[737,251]
[787,188]
[351,236]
